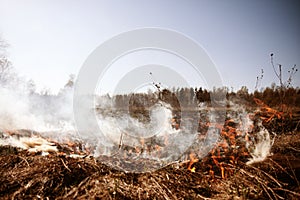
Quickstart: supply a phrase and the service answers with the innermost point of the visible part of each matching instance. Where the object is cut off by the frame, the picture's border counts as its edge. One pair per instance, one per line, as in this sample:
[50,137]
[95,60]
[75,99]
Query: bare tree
[284,85]
[5,64]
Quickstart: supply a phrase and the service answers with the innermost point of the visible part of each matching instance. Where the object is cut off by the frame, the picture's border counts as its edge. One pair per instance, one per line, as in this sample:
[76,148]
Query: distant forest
[272,96]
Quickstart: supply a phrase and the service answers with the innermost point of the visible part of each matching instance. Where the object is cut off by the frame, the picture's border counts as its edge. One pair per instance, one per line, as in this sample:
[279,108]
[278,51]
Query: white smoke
[120,128]
[15,111]
[21,107]
[260,150]
[257,138]
[32,143]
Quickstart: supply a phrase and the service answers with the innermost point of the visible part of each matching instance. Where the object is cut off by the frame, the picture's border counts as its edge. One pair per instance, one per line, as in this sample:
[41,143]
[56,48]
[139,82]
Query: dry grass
[28,176]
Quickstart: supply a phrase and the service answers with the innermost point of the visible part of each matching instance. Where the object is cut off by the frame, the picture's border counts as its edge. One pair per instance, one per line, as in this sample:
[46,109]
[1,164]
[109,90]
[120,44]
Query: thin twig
[272,63]
[295,177]
[282,189]
[271,177]
[65,165]
[168,190]
[160,188]
[264,185]
[121,141]
[204,198]
[278,165]
[297,125]
[24,160]
[298,150]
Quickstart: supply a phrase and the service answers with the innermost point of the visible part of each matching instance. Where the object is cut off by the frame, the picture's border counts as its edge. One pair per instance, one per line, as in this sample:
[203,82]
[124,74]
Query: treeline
[273,96]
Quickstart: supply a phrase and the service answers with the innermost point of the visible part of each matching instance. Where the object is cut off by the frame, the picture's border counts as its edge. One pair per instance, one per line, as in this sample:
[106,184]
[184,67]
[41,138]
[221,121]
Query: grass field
[28,175]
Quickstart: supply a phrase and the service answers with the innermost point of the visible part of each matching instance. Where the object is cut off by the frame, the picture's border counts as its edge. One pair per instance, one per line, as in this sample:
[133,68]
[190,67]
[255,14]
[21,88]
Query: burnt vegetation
[222,174]
[27,175]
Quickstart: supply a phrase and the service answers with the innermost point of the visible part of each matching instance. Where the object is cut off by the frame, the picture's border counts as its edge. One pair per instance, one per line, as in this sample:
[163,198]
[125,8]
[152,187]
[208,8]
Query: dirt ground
[26,175]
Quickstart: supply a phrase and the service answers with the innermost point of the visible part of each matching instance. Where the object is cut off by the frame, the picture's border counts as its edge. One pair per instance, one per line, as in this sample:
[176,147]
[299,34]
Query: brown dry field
[31,176]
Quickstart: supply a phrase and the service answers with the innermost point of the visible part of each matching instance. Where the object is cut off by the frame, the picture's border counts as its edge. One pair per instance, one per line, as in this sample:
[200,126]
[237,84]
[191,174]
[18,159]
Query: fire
[193,159]
[238,140]
[269,113]
[231,148]
[229,151]
[222,170]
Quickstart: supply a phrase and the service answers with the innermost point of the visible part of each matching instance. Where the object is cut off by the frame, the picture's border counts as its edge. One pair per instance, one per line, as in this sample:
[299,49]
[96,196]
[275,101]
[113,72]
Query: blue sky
[51,39]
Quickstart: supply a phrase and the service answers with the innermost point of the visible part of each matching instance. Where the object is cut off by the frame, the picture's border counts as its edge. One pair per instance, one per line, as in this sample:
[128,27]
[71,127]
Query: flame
[227,153]
[222,171]
[175,124]
[235,134]
[193,159]
[237,141]
[269,113]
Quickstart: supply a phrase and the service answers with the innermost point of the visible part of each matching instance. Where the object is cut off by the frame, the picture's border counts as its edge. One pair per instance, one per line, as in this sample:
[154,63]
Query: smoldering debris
[27,175]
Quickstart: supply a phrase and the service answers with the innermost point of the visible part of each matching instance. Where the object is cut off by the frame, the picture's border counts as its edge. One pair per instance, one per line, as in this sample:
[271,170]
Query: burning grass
[67,171]
[28,175]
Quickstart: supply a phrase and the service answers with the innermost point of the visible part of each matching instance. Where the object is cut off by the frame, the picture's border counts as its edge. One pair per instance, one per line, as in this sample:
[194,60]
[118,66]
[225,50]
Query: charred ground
[26,175]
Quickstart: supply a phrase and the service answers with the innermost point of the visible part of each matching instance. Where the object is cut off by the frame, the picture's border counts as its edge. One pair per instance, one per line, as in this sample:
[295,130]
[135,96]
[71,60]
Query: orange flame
[269,113]
[193,160]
